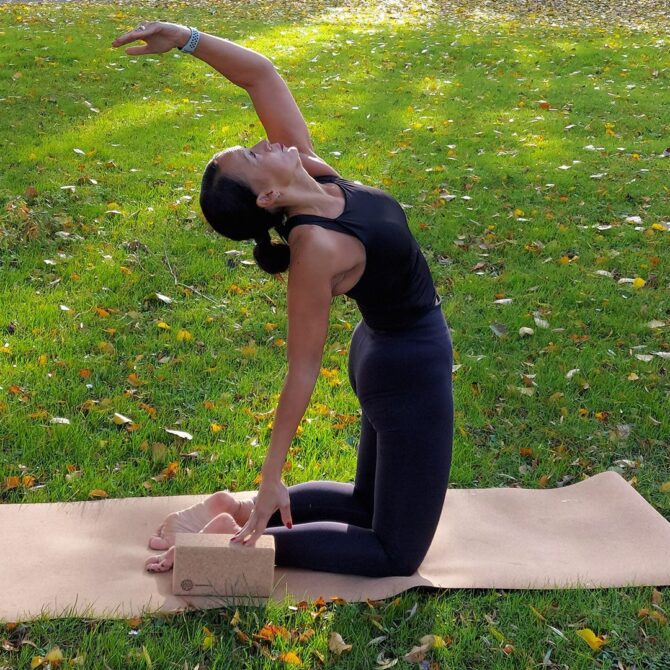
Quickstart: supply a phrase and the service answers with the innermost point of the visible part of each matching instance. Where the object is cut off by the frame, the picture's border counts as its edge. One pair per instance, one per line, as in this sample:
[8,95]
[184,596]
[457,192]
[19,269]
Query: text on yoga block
[206,564]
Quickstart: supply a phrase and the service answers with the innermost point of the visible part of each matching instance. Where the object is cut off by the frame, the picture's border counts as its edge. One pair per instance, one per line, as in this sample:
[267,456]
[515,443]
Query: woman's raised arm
[274,104]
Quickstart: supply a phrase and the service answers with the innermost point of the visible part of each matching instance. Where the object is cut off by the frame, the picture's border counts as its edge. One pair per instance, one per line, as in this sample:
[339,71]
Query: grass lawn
[528,150]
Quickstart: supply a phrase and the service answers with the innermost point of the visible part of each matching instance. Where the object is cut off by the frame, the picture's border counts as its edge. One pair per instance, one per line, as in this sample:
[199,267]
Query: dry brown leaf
[336,644]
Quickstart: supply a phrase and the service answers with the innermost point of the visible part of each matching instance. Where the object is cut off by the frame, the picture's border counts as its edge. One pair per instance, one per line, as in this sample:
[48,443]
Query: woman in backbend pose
[341,238]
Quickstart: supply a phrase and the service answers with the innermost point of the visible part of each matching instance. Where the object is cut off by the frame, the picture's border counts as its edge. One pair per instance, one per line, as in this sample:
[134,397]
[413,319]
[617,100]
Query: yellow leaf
[208,404]
[163,325]
[125,270]
[55,655]
[28,481]
[270,326]
[42,360]
[184,336]
[434,641]
[215,427]
[658,226]
[518,212]
[102,313]
[36,662]
[209,639]
[290,658]
[97,493]
[665,487]
[638,282]
[537,613]
[594,641]
[236,618]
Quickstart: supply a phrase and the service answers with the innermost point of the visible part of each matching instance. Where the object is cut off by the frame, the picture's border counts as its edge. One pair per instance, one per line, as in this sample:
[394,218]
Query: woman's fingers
[135,34]
[139,51]
[285,511]
[251,531]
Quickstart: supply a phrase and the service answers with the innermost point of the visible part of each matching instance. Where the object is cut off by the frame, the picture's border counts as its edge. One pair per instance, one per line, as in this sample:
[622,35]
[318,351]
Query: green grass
[424,105]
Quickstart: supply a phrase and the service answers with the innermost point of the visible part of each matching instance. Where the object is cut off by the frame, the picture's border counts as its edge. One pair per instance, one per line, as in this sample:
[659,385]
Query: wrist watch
[192,42]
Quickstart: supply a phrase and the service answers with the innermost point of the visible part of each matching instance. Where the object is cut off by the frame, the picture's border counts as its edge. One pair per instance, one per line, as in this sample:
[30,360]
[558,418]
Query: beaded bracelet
[192,43]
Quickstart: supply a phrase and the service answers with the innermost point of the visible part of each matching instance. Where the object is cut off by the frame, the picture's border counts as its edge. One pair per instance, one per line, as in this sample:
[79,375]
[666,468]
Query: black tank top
[396,287]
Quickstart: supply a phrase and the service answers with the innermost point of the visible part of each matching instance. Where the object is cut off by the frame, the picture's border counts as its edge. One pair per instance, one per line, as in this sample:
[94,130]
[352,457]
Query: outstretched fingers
[139,33]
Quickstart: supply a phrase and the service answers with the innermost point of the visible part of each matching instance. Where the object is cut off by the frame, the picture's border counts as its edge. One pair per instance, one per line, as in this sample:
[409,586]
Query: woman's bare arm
[246,68]
[309,297]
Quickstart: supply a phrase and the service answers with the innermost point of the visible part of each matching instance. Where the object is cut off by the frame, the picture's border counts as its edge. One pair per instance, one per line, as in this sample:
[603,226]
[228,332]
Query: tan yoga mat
[87,558]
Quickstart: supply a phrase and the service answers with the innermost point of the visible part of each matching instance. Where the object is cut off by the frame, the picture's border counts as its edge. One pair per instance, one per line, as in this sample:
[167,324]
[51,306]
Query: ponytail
[273,257]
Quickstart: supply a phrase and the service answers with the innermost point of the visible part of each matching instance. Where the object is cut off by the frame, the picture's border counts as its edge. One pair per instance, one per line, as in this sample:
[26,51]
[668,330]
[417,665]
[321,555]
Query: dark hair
[230,208]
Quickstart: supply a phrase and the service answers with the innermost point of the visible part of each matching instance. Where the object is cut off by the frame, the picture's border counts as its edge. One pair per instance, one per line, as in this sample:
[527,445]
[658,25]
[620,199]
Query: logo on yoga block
[186,584]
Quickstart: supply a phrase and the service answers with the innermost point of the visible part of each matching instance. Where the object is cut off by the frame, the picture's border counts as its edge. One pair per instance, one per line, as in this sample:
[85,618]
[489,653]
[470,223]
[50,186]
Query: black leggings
[382,524]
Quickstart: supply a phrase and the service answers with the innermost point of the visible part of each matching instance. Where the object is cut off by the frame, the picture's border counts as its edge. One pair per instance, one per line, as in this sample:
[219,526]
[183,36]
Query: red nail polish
[289,526]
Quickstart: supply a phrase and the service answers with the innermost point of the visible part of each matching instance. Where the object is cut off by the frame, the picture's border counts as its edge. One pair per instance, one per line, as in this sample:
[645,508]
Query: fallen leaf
[209,639]
[499,329]
[416,654]
[336,644]
[120,419]
[594,641]
[179,433]
[236,618]
[289,658]
[97,493]
[539,321]
[11,483]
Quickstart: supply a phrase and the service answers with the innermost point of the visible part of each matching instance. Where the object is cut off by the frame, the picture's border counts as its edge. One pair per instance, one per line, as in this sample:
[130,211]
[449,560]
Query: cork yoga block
[206,564]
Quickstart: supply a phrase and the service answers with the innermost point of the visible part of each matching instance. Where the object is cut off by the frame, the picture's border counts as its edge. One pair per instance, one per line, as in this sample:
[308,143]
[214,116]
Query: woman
[342,238]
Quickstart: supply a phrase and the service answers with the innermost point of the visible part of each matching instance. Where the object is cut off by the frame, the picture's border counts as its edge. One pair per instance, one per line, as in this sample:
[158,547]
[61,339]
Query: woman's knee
[405,561]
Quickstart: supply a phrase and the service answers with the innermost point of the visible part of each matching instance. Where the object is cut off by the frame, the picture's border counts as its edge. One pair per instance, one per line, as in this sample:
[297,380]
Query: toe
[151,562]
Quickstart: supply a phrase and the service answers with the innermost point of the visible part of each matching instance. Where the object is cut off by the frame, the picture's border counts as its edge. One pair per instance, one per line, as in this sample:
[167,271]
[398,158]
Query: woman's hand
[159,37]
[272,496]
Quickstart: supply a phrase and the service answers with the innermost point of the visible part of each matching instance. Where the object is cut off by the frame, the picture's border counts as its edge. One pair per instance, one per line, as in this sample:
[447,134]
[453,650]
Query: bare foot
[223,523]
[195,518]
